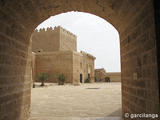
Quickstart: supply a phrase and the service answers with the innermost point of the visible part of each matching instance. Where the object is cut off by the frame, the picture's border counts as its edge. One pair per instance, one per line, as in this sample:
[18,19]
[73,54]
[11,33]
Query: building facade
[50,40]
[114,76]
[56,53]
[102,76]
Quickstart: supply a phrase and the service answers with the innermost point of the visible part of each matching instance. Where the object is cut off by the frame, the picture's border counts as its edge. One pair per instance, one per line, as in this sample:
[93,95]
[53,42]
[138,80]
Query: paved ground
[96,101]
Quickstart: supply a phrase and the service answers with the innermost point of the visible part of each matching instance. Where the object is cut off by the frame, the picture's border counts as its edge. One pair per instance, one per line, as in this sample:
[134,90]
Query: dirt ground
[89,101]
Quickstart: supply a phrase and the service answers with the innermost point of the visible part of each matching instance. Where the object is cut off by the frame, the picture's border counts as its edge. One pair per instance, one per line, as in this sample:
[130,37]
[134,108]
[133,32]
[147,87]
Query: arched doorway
[133,19]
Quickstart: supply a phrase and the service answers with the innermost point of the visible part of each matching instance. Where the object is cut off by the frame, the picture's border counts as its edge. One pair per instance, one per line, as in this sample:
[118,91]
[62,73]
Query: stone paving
[96,101]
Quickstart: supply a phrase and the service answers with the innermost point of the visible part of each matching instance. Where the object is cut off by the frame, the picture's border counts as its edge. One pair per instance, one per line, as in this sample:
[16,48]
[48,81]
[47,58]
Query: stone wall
[70,63]
[33,67]
[114,76]
[57,39]
[157,25]
[88,66]
[139,64]
[100,75]
[15,80]
[46,40]
[54,63]
[133,19]
[62,40]
[68,41]
[77,68]
[82,65]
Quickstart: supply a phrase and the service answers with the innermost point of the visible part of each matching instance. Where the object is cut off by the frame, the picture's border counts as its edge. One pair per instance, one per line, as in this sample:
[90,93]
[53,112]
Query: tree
[43,77]
[88,80]
[61,79]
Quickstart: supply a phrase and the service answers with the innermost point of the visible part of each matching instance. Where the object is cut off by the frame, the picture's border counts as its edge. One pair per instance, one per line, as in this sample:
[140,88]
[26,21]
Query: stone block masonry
[57,39]
[64,62]
[133,19]
[56,53]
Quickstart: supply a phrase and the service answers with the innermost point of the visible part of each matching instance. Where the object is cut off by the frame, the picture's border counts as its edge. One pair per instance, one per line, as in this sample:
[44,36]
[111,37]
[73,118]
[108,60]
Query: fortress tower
[57,39]
[56,53]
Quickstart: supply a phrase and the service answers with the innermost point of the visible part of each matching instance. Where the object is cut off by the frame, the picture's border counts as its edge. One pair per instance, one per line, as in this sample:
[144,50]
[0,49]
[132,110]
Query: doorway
[89,76]
[81,79]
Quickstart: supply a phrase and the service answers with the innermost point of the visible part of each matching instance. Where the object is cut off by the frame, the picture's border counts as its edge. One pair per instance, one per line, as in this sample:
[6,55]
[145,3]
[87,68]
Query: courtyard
[89,101]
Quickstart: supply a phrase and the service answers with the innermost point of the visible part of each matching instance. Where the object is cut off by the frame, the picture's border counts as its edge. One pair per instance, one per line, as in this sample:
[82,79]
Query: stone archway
[133,19]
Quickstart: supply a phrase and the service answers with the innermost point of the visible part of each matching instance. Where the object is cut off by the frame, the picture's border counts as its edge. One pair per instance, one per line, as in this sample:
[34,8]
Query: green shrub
[87,80]
[61,79]
[43,77]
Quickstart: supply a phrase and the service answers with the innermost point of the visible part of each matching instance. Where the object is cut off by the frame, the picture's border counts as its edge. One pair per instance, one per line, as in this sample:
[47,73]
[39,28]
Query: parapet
[67,32]
[50,29]
[36,30]
[100,69]
[87,54]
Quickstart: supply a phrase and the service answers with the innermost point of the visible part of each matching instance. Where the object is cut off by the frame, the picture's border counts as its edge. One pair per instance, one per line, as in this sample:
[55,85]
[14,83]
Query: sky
[94,35]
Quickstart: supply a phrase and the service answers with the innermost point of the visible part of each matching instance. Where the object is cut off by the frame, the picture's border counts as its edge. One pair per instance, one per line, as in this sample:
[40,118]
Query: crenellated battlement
[87,54]
[50,29]
[67,32]
[54,39]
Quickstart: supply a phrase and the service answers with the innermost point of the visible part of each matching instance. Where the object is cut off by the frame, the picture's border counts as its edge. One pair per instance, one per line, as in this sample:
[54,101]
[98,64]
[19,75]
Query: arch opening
[53,54]
[133,19]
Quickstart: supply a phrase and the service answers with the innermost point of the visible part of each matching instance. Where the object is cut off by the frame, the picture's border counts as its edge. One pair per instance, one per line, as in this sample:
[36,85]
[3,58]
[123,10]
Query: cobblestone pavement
[90,101]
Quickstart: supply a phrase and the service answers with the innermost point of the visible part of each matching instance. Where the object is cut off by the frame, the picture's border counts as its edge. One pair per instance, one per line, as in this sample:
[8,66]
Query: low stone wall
[114,76]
